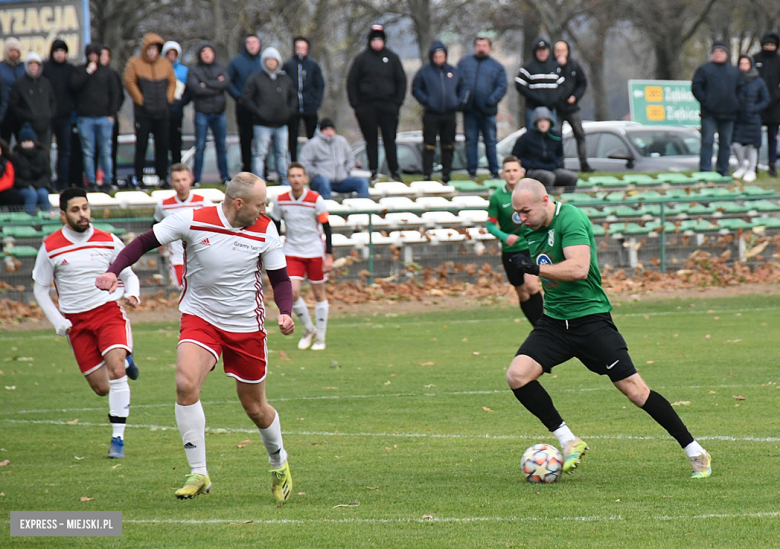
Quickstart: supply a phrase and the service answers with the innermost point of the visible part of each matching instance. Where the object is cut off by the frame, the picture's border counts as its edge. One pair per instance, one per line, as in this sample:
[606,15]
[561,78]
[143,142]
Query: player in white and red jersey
[95,324]
[223,312]
[181,181]
[303,212]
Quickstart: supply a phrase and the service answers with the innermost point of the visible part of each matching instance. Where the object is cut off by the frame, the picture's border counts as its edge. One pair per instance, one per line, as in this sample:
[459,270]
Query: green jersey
[568,300]
[501,216]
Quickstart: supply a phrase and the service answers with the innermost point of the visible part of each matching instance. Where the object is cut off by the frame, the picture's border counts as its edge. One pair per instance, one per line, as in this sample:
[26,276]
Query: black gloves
[524,264]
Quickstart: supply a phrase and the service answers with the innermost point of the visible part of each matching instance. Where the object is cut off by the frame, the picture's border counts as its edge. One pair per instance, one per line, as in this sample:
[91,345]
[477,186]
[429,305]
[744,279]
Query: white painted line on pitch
[415,520]
[222,430]
[389,395]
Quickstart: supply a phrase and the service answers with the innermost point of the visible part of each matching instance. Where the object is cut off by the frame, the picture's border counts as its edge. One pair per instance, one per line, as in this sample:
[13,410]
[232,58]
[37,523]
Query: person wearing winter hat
[539,79]
[716,86]
[767,62]
[172,52]
[59,71]
[33,172]
[32,100]
[306,74]
[269,95]
[753,99]
[11,70]
[570,93]
[241,67]
[376,87]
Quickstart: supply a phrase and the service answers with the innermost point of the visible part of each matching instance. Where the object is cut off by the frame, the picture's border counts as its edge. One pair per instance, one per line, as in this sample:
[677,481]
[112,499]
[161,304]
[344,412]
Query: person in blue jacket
[241,67]
[172,51]
[310,86]
[435,86]
[483,85]
[753,99]
[11,70]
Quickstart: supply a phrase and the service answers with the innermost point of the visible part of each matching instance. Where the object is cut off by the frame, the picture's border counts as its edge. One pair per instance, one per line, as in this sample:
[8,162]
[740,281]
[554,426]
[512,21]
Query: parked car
[410,149]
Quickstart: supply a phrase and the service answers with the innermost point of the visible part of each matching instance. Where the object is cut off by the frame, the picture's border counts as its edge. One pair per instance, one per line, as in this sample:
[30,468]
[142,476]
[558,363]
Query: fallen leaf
[284,356]
[330,388]
[350,504]
[429,517]
[2,494]
[733,340]
[708,336]
[5,462]
[372,487]
[617,500]
[73,422]
[301,493]
[712,392]
[247,441]
[387,382]
[430,386]
[681,403]
[78,458]
[476,353]
[85,498]
[486,409]
[426,364]
[738,397]
[117,466]
[651,361]
[715,318]
[11,388]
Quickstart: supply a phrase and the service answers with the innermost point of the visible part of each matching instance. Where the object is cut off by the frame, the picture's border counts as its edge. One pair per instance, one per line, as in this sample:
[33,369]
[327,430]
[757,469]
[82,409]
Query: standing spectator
[716,86]
[97,101]
[241,67]
[10,197]
[767,61]
[307,77]
[270,96]
[483,85]
[105,60]
[376,87]
[208,82]
[328,160]
[539,80]
[540,151]
[181,97]
[753,99]
[11,70]
[32,100]
[58,71]
[151,82]
[570,93]
[32,171]
[435,86]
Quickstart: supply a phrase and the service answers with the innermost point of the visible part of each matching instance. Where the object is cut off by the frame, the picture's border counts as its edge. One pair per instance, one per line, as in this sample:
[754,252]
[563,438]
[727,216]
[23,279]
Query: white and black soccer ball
[542,463]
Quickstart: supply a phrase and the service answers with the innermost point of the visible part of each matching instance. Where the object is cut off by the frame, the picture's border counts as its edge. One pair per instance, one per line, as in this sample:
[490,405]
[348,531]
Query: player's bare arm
[575,267]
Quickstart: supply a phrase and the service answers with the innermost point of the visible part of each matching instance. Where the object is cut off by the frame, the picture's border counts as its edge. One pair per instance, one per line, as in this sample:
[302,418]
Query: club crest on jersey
[543,259]
[516,218]
[551,237]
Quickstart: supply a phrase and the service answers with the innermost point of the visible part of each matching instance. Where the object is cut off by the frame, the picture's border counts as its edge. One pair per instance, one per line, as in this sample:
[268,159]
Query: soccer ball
[542,463]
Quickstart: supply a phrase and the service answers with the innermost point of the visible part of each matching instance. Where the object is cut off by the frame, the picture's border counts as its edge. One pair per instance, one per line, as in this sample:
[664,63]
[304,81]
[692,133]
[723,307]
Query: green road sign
[670,102]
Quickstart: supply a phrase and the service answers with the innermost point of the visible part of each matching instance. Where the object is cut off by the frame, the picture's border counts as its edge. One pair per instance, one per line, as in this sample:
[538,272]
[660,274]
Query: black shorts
[515,277]
[593,339]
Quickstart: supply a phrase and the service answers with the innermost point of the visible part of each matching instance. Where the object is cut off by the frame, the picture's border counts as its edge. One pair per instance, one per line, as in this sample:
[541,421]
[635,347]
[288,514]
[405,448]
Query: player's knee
[187,391]
[522,292]
[522,371]
[101,390]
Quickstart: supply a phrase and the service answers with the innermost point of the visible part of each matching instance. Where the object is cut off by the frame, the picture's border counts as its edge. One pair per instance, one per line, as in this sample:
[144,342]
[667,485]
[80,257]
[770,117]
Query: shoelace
[192,478]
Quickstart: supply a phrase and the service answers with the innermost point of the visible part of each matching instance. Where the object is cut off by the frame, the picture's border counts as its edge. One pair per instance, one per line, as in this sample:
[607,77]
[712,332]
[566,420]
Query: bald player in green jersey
[504,224]
[577,323]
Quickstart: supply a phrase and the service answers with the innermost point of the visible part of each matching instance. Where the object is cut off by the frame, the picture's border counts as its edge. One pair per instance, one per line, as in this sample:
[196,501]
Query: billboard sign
[37,24]
[668,102]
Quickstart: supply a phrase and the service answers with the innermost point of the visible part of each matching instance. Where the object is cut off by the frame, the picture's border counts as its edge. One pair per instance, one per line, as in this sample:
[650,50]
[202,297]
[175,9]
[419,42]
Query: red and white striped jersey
[222,269]
[173,205]
[74,260]
[302,218]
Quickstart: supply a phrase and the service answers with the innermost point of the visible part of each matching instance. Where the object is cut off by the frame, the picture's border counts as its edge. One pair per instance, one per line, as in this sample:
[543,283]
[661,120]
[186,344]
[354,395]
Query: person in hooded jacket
[32,100]
[539,80]
[11,70]
[540,150]
[10,197]
[376,87]
[570,93]
[241,67]
[767,61]
[310,85]
[151,82]
[208,82]
[32,171]
[97,101]
[270,96]
[181,98]
[58,71]
[483,85]
[435,86]
[746,140]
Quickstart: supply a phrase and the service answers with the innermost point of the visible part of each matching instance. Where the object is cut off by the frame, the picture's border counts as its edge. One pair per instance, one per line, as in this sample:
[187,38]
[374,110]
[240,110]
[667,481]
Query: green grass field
[408,417]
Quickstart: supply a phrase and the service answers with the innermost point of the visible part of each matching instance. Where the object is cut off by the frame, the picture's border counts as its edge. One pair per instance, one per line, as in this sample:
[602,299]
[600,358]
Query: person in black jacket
[376,87]
[746,140]
[58,71]
[767,61]
[32,171]
[97,101]
[538,80]
[32,100]
[716,86]
[181,98]
[307,77]
[570,93]
[208,82]
[270,96]
[540,150]
[435,86]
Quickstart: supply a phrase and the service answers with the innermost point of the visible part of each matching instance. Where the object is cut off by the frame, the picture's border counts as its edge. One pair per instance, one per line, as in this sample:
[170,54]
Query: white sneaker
[305,341]
[749,177]
[318,346]
[739,173]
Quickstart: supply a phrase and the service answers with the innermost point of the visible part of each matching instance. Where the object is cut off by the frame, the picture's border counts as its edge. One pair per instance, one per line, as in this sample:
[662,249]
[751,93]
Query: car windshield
[665,142]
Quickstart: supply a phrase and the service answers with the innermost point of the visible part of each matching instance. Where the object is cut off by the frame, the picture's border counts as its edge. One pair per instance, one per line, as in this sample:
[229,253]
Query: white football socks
[564,435]
[272,438]
[693,449]
[321,314]
[302,312]
[118,405]
[192,426]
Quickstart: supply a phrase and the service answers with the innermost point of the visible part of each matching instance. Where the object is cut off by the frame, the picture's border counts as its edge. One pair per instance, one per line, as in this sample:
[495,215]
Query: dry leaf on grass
[5,462]
[486,409]
[428,517]
[11,387]
[284,356]
[85,498]
[372,487]
[738,397]
[243,443]
[350,504]
[681,403]
[73,422]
